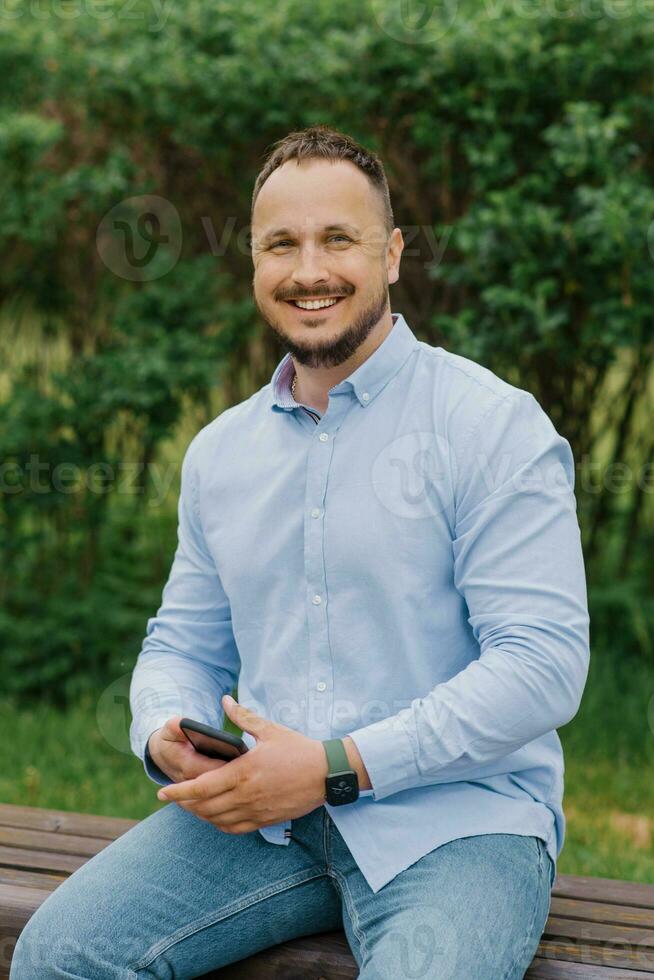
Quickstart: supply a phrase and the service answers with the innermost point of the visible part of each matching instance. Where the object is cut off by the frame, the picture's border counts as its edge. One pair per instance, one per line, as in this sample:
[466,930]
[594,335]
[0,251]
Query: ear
[394,251]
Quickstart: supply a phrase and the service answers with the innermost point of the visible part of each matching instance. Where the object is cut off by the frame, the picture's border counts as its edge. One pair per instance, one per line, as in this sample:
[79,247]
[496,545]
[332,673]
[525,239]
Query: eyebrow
[343,226]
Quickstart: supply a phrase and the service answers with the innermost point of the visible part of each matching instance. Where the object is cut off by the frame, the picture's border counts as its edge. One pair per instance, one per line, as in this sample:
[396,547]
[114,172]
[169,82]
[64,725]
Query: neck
[312,385]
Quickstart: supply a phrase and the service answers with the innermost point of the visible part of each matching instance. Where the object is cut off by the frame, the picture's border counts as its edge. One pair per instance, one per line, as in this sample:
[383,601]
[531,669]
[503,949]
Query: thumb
[171,730]
[246,719]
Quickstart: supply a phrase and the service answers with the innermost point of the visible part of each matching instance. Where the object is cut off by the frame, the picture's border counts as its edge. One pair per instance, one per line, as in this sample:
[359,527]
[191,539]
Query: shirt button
[316,600]
[323,437]
[365,396]
[320,686]
[315,512]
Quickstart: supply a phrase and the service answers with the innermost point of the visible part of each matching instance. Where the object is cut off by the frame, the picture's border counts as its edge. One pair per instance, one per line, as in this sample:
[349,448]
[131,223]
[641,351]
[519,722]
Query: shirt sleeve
[189,658]
[518,563]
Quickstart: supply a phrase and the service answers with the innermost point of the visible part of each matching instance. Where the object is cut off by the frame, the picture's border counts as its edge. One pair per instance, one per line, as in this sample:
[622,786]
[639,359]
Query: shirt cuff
[153,771]
[387,754]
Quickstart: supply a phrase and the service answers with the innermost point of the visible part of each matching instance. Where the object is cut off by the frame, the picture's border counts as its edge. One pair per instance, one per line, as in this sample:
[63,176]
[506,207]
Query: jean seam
[540,843]
[351,908]
[248,901]
[529,932]
[326,839]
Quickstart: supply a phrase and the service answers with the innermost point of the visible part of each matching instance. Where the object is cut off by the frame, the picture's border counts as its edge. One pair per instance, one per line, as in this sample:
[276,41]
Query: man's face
[317,233]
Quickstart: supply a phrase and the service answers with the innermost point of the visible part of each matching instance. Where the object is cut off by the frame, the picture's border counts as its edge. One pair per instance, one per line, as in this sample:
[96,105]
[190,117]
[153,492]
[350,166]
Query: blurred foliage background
[518,145]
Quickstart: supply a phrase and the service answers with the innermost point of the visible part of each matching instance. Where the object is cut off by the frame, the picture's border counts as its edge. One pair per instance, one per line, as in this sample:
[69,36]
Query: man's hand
[176,757]
[281,777]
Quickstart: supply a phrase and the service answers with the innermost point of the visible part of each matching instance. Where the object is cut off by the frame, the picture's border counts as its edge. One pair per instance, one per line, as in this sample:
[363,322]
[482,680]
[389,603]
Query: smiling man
[322,284]
[381,547]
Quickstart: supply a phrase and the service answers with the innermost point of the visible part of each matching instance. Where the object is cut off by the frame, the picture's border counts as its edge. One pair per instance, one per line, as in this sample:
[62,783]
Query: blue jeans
[175,897]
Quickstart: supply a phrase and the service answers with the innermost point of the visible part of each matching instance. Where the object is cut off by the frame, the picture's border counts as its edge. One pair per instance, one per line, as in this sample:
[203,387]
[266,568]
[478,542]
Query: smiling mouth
[316,309]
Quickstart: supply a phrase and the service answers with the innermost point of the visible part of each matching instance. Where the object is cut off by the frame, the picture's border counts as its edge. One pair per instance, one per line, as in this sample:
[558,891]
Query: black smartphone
[212,742]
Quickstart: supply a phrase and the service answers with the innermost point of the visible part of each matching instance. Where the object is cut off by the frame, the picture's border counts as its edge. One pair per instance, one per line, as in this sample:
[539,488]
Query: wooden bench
[597,928]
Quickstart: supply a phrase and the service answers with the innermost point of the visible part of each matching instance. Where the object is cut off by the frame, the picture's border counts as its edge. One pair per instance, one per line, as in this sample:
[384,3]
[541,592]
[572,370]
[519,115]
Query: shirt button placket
[320,660]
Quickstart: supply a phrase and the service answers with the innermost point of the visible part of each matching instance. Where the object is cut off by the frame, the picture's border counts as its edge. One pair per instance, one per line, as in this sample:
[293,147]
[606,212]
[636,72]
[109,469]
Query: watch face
[342,788]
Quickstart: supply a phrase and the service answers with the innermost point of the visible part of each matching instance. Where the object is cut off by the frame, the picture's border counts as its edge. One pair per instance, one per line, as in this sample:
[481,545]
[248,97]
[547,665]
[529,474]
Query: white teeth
[315,304]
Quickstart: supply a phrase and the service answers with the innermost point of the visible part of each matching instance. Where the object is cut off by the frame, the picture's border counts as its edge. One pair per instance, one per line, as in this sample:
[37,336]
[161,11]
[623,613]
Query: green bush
[518,147]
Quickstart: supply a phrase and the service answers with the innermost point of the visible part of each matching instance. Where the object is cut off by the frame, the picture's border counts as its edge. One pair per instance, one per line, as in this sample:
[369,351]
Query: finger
[171,732]
[210,783]
[246,719]
[243,828]
[214,807]
[226,822]
[239,823]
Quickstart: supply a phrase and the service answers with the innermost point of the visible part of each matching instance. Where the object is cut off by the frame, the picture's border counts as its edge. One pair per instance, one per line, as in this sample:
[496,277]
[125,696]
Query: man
[381,547]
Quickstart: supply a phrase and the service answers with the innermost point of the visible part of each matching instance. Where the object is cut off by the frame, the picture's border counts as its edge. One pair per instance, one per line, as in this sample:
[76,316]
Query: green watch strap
[336,756]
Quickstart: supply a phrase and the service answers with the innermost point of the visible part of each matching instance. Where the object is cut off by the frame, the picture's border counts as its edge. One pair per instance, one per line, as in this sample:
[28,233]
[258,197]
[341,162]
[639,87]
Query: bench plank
[22,857]
[598,954]
[39,879]
[564,970]
[605,890]
[81,824]
[601,932]
[46,841]
[572,908]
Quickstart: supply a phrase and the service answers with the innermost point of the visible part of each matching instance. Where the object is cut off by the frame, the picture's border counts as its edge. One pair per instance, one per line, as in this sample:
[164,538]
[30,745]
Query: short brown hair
[322,141]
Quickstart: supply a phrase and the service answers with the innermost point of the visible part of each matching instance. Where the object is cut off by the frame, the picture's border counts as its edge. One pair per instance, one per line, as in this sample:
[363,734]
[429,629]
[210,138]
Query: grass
[77,761]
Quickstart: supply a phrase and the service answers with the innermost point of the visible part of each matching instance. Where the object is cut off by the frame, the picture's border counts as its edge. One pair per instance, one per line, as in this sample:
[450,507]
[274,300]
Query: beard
[330,353]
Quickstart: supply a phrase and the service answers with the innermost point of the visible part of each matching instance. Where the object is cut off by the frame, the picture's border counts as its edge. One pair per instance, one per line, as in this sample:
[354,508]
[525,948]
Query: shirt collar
[366,381]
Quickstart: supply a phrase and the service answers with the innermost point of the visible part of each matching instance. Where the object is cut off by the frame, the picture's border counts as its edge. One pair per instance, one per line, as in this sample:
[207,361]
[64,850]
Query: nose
[310,269]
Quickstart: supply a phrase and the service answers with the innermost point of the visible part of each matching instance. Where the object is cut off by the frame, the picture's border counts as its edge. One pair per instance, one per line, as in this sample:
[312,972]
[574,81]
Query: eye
[277,244]
[344,237]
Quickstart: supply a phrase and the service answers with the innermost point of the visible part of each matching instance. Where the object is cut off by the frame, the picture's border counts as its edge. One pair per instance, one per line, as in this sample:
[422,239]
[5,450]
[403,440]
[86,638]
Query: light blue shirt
[406,569]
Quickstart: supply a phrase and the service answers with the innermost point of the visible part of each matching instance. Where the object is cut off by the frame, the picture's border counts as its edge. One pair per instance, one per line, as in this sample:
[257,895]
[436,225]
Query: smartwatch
[342,782]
